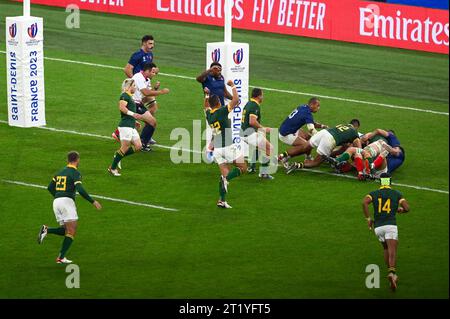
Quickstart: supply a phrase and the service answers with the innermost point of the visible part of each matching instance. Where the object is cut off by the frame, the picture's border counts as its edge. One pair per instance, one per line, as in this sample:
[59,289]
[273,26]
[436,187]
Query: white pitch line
[97,196]
[103,137]
[199,152]
[264,88]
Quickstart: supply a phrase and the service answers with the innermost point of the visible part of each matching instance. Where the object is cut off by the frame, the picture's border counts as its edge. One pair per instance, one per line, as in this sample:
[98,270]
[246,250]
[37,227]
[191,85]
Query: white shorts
[128,134]
[65,210]
[226,155]
[386,232]
[256,139]
[324,142]
[288,139]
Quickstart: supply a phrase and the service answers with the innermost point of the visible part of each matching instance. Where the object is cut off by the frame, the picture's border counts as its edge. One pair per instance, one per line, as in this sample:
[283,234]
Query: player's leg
[126,136]
[148,130]
[71,228]
[359,164]
[223,184]
[68,218]
[392,253]
[268,158]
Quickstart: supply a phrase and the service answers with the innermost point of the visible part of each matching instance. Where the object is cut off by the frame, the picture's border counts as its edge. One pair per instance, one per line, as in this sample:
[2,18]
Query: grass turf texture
[299,236]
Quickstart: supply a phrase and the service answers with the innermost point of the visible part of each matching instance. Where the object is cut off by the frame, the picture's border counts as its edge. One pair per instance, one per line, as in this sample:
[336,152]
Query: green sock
[130,151]
[221,192]
[235,172]
[61,231]
[117,158]
[344,157]
[65,246]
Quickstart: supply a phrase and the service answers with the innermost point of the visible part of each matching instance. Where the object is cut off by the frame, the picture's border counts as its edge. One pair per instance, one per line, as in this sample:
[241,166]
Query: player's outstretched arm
[86,196]
[235,100]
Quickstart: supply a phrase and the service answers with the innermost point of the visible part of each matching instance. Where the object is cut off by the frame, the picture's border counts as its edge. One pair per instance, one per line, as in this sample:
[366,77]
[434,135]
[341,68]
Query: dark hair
[148,66]
[145,38]
[256,92]
[213,100]
[355,122]
[72,156]
[313,100]
[392,131]
[215,64]
[385,175]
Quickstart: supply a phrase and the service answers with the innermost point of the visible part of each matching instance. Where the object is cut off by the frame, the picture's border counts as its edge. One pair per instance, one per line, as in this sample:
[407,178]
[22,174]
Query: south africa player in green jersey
[63,187]
[254,134]
[386,203]
[130,141]
[225,151]
[325,141]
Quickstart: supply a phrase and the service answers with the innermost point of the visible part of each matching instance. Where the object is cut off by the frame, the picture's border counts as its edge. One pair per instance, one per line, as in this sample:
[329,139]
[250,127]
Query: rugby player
[213,83]
[63,188]
[225,151]
[386,204]
[325,142]
[290,131]
[130,142]
[395,159]
[254,134]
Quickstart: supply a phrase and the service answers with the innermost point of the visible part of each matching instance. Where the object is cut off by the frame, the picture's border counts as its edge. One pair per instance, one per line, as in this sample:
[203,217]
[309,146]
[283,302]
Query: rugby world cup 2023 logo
[13,30]
[238,56]
[33,30]
[215,55]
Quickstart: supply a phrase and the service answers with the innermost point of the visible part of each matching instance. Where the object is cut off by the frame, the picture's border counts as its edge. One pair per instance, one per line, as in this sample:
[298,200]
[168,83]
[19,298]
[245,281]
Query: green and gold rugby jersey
[66,181]
[220,123]
[252,108]
[343,133]
[385,202]
[127,120]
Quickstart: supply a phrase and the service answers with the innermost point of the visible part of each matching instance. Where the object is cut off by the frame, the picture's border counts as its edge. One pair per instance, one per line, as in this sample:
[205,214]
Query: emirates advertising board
[358,21]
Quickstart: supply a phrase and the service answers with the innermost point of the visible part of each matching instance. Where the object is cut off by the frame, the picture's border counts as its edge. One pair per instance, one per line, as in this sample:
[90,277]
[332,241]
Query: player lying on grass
[254,134]
[63,188]
[363,159]
[325,142]
[225,151]
[291,132]
[145,99]
[386,203]
[395,159]
[129,137]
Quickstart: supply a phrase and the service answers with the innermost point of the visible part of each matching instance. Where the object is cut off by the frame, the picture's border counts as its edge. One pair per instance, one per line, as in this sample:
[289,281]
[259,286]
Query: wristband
[130,113]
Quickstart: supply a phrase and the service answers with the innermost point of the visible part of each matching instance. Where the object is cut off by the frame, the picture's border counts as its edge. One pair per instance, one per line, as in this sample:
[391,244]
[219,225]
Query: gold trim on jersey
[253,100]
[77,182]
[213,110]
[383,187]
[369,196]
[72,166]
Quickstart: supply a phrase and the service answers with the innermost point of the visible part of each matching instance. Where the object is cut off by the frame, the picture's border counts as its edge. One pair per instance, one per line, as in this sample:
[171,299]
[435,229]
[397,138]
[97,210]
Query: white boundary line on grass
[97,196]
[198,152]
[264,88]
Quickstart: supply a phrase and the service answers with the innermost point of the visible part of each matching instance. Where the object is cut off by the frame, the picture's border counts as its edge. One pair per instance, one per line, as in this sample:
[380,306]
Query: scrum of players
[341,146]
